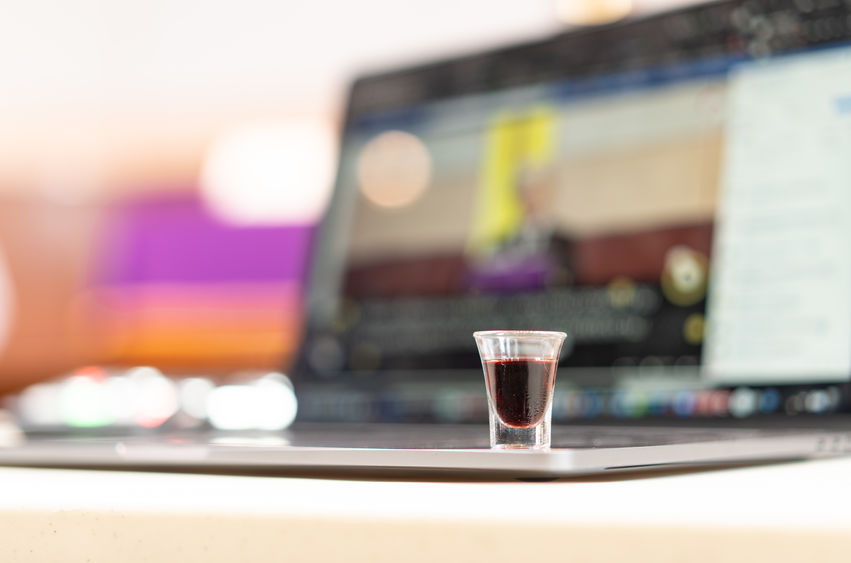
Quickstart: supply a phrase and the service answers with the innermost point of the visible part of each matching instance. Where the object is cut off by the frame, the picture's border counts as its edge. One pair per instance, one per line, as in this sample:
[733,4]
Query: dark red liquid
[520,389]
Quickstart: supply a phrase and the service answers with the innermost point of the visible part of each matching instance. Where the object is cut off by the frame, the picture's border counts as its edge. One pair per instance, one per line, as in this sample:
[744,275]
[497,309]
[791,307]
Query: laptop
[671,192]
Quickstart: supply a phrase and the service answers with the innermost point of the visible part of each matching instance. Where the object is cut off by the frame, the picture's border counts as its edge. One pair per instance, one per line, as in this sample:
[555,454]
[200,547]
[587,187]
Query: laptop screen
[671,192]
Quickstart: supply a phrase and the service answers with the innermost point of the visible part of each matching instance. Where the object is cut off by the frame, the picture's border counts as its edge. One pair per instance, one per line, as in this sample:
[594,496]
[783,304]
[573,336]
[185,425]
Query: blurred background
[163,163]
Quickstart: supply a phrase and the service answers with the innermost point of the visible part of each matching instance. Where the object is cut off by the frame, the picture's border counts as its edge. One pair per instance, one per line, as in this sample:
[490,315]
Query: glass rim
[520,333]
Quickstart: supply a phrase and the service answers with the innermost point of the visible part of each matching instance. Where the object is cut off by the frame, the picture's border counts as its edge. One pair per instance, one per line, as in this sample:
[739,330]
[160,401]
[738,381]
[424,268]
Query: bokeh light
[155,394]
[278,406]
[231,407]
[685,275]
[40,405]
[693,328]
[85,402]
[268,403]
[394,169]
[10,434]
[194,392]
[279,173]
[122,399]
[744,401]
[591,12]
[144,398]
[621,291]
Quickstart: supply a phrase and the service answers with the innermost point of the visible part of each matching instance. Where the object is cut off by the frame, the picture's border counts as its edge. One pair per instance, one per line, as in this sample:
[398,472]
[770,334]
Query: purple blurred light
[174,238]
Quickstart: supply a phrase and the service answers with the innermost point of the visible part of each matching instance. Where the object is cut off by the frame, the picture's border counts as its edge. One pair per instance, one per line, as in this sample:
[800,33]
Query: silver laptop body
[583,183]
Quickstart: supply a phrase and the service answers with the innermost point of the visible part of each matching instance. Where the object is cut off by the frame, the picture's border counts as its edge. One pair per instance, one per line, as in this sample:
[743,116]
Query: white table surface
[786,512]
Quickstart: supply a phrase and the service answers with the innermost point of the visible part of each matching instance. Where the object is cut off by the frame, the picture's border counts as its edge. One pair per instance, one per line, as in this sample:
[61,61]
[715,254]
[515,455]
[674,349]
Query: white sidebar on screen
[779,307]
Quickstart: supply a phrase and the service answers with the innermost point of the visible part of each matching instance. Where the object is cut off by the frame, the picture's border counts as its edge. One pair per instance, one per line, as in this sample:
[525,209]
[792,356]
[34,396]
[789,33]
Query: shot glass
[520,372]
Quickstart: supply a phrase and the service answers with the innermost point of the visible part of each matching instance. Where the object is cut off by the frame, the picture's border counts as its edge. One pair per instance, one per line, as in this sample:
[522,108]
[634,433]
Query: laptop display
[672,192]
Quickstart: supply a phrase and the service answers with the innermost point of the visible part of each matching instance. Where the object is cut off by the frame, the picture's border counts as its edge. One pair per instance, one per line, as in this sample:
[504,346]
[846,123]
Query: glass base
[530,438]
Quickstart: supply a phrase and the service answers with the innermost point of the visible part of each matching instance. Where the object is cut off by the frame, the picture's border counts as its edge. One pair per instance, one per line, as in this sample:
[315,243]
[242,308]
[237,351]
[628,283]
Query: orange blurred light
[6,302]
